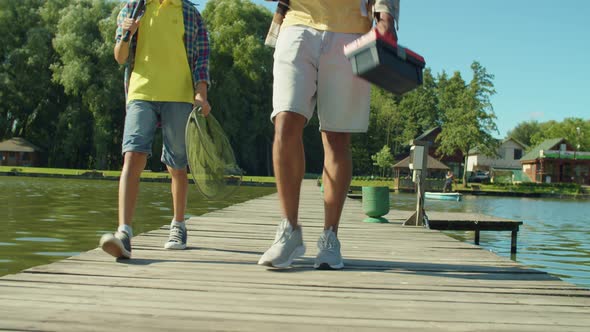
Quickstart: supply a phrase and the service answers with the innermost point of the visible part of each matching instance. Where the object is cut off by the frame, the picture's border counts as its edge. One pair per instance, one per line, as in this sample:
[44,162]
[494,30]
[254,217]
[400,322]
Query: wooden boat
[443,196]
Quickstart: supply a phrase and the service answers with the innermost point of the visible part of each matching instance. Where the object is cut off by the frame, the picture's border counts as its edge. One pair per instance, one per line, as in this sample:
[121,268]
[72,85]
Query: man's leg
[294,100]
[289,167]
[336,176]
[289,162]
[336,179]
[343,108]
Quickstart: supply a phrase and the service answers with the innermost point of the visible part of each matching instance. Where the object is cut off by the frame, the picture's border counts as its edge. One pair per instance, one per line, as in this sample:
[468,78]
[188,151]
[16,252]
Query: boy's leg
[174,118]
[140,125]
[134,163]
[179,188]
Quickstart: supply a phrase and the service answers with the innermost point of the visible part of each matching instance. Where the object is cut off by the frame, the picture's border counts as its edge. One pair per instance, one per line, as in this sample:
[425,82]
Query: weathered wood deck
[395,278]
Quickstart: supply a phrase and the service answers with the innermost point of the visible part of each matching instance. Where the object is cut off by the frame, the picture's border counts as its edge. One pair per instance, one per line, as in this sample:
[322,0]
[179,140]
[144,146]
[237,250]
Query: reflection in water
[555,236]
[38,239]
[43,220]
[57,253]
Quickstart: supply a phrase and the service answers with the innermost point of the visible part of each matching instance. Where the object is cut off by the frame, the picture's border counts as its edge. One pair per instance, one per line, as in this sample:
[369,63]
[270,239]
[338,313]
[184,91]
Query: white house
[507,157]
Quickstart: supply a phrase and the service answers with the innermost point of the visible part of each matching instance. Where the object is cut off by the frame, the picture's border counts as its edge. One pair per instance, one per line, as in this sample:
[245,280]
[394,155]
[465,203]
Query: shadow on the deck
[462,271]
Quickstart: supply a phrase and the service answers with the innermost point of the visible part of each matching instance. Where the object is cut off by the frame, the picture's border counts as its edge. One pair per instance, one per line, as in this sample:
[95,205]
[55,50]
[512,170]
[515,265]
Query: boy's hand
[385,25]
[130,25]
[200,101]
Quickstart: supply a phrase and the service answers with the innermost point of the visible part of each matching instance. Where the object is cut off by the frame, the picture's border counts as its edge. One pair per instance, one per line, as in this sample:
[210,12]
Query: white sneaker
[287,246]
[329,256]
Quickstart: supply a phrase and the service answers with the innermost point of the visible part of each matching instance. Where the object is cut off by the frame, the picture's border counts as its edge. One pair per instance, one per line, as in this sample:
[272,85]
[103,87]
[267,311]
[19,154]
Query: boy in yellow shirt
[167,60]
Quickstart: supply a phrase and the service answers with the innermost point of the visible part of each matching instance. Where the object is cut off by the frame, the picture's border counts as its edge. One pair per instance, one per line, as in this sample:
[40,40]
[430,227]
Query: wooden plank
[396,278]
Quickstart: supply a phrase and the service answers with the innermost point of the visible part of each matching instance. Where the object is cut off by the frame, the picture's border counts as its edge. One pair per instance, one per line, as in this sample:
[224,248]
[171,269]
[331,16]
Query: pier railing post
[419,167]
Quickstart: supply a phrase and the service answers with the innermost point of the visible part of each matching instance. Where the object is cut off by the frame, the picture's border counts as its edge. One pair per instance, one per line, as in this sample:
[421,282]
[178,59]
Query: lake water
[43,220]
[555,236]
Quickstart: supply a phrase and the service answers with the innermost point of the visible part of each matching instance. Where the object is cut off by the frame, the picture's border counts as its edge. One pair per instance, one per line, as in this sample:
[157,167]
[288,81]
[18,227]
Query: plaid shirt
[196,42]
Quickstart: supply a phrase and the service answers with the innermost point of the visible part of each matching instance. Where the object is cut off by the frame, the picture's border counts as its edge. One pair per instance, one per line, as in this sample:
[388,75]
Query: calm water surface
[43,220]
[555,236]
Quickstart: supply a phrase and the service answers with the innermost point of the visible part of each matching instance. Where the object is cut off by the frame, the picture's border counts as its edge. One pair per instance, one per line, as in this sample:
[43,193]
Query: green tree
[469,115]
[84,42]
[419,110]
[25,46]
[241,74]
[30,102]
[525,131]
[568,129]
[383,159]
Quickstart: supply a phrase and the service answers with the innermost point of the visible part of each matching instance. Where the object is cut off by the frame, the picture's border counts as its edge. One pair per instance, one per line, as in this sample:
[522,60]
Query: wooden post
[513,242]
[477,236]
[417,218]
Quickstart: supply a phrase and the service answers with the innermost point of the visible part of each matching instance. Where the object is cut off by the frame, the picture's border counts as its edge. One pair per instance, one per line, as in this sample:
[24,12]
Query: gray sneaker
[287,246]
[177,239]
[117,245]
[329,257]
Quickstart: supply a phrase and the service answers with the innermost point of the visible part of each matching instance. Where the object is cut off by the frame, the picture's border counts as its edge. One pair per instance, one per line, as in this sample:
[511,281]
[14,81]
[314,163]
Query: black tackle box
[381,61]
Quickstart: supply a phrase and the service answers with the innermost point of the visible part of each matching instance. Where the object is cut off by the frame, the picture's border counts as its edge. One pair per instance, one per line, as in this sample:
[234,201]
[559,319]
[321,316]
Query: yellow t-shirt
[344,16]
[161,71]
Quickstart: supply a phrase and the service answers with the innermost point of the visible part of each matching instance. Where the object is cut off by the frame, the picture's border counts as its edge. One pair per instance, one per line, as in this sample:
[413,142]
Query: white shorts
[310,68]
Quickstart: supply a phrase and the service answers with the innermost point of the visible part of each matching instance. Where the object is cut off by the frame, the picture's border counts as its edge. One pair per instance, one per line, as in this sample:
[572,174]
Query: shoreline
[97,175]
[164,178]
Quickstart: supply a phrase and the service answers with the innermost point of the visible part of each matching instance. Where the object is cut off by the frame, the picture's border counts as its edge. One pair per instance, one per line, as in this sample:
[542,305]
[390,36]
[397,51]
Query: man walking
[310,70]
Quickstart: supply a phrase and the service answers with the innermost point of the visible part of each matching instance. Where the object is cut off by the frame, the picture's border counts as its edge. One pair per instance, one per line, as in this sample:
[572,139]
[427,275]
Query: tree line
[575,130]
[61,89]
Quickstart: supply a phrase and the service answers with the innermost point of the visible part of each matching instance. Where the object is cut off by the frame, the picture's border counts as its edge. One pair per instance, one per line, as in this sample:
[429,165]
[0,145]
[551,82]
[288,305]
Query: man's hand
[385,25]
[130,25]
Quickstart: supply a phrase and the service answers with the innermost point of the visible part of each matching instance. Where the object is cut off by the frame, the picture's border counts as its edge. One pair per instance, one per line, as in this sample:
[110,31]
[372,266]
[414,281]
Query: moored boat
[443,196]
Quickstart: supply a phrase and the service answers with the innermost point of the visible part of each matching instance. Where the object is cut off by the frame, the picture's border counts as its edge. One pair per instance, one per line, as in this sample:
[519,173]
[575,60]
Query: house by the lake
[435,175]
[18,151]
[454,162]
[556,160]
[507,156]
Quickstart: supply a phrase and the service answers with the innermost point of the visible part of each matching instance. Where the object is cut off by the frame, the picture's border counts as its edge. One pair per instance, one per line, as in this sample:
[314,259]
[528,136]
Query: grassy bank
[18,170]
[105,174]
[532,189]
[524,189]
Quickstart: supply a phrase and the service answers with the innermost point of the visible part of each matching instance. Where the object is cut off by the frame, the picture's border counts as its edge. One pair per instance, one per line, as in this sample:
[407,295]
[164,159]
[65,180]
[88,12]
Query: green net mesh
[211,159]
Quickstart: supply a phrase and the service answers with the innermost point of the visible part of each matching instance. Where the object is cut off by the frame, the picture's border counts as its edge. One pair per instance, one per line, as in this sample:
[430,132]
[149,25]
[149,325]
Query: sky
[538,51]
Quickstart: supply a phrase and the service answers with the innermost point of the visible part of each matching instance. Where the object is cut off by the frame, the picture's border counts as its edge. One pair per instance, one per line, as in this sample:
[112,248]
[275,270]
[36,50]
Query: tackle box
[381,61]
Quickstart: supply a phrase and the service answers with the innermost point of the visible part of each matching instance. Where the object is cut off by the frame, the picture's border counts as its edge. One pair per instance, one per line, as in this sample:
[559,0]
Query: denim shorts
[141,122]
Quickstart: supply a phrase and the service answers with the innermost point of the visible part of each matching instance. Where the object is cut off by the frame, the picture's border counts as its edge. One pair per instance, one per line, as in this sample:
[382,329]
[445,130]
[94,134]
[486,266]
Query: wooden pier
[395,278]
